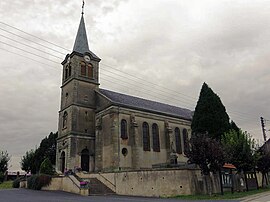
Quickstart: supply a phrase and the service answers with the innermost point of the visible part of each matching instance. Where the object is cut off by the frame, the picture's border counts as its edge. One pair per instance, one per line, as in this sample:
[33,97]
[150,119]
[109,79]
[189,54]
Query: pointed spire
[81,42]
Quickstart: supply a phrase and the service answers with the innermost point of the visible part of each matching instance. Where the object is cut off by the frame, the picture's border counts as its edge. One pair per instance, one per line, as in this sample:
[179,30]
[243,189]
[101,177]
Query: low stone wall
[157,183]
[67,184]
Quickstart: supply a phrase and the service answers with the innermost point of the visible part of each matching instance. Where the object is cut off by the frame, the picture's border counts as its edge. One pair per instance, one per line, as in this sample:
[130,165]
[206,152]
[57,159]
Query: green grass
[227,195]
[6,185]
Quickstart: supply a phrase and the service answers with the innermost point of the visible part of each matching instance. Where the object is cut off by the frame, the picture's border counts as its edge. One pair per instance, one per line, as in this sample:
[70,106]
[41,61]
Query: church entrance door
[63,159]
[85,160]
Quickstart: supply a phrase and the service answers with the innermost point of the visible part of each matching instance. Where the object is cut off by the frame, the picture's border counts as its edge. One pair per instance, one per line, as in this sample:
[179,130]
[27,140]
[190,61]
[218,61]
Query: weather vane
[82,7]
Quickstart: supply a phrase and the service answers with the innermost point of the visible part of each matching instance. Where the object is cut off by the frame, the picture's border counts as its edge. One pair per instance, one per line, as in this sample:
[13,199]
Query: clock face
[87,58]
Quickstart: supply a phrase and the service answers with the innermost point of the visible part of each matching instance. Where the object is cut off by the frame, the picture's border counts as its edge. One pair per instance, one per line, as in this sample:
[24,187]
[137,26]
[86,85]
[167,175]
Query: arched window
[65,119]
[69,70]
[124,129]
[85,160]
[155,133]
[146,137]
[178,141]
[186,141]
[66,73]
[83,69]
[63,163]
[90,70]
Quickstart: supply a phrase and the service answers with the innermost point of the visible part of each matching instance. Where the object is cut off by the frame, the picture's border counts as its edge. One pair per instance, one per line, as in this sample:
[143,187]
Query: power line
[148,91]
[148,81]
[140,83]
[28,52]
[34,36]
[31,41]
[116,69]
[29,46]
[47,65]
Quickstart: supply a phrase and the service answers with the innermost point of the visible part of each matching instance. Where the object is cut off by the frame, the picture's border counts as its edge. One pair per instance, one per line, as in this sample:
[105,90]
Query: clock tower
[76,127]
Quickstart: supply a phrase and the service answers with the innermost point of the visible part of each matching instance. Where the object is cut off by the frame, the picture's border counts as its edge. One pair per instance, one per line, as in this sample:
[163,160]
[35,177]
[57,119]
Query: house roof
[147,105]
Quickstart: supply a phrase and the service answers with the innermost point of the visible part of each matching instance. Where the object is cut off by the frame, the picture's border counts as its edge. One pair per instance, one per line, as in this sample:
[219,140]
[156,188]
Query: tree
[234,127]
[210,116]
[263,163]
[46,167]
[28,161]
[208,154]
[4,159]
[46,149]
[239,148]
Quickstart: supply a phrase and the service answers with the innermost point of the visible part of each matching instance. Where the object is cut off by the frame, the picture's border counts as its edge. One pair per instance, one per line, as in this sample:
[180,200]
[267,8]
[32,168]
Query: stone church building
[102,130]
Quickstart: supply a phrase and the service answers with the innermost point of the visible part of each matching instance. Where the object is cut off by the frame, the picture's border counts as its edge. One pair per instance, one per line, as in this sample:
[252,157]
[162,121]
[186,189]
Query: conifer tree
[210,116]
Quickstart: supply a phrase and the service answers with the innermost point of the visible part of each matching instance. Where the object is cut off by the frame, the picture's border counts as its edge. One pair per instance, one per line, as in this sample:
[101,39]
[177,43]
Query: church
[104,131]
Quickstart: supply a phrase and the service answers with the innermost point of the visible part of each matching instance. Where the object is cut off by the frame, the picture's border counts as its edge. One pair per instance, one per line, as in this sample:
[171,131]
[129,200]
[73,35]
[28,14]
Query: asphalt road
[26,195]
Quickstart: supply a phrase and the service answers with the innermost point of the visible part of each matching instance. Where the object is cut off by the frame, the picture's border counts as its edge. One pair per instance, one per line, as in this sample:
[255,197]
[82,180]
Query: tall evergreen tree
[210,116]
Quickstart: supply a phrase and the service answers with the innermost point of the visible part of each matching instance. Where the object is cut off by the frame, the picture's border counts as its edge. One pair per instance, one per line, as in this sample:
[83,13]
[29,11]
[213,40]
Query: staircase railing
[73,181]
[107,180]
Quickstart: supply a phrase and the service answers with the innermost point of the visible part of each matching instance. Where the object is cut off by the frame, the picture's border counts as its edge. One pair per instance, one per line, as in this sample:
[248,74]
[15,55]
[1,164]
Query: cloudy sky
[157,49]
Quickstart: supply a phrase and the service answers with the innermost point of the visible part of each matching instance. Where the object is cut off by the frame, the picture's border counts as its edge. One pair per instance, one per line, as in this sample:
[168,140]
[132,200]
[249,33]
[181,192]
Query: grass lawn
[227,195]
[6,185]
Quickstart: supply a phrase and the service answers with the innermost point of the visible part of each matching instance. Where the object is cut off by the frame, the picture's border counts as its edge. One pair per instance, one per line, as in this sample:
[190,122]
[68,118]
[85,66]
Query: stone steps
[96,187]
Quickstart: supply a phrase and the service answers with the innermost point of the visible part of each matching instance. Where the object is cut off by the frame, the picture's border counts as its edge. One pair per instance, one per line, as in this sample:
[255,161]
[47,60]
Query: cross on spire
[82,7]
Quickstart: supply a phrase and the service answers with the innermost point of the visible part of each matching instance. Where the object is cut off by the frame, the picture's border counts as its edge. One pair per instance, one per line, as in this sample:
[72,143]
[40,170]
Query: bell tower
[76,126]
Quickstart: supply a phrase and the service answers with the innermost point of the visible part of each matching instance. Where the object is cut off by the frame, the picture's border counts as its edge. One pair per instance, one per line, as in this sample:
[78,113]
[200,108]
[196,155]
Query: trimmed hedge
[36,182]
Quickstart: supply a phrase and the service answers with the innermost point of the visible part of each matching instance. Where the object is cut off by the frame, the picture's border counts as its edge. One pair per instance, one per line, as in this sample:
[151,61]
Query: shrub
[46,167]
[1,177]
[36,182]
[16,183]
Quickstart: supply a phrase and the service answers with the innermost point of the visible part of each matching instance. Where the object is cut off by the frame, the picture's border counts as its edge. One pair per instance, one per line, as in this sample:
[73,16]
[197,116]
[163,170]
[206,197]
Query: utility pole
[263,128]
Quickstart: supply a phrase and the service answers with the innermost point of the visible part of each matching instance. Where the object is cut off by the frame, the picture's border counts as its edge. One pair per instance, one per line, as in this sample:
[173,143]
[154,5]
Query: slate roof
[81,41]
[147,105]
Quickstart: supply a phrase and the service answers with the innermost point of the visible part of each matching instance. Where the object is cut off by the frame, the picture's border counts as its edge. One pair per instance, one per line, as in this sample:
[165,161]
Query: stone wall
[157,183]
[110,146]
[67,184]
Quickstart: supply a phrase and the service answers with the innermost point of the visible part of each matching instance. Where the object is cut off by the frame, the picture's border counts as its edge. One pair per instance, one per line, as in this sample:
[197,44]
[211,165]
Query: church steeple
[81,42]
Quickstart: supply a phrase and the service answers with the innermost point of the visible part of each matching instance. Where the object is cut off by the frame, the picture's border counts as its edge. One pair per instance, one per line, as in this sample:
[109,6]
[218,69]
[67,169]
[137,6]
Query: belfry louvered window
[124,129]
[178,141]
[90,70]
[146,137]
[83,69]
[155,133]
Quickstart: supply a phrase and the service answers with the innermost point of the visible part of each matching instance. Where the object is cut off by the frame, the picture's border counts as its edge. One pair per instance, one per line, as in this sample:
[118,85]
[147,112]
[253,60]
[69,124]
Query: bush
[36,182]
[16,183]
[1,177]
[46,167]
